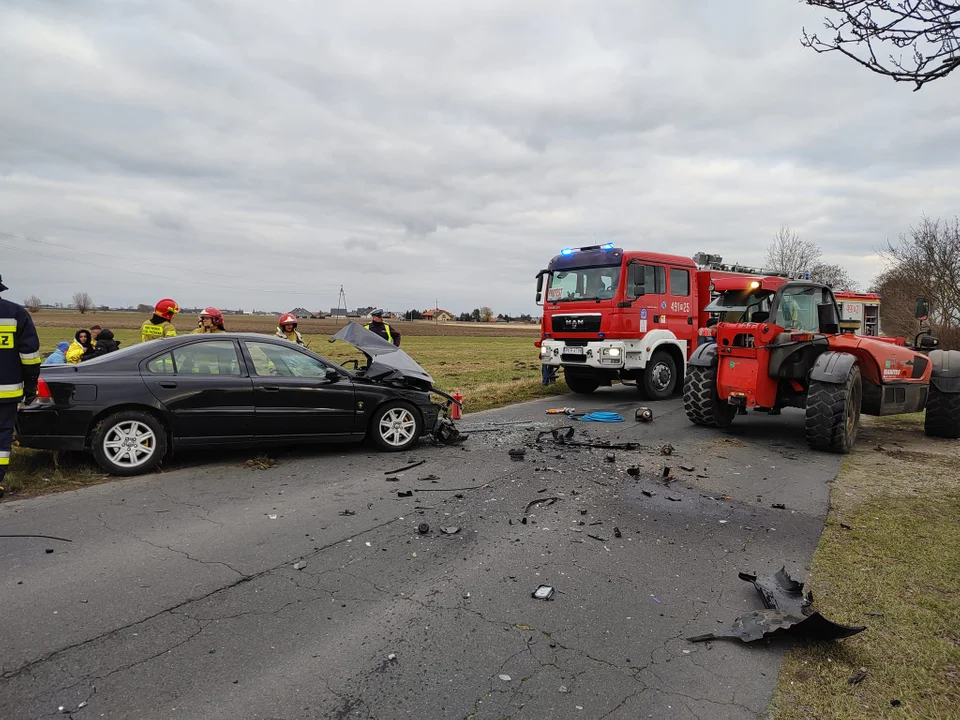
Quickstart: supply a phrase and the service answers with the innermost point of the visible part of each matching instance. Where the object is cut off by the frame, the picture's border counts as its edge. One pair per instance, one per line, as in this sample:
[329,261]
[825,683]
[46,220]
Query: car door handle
[169,384]
[271,388]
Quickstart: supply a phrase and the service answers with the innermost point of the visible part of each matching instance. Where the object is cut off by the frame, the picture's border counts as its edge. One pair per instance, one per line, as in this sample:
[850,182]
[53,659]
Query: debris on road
[391,657]
[544,592]
[667,449]
[272,517]
[601,416]
[858,678]
[674,498]
[546,502]
[561,411]
[404,493]
[505,678]
[450,530]
[633,471]
[346,513]
[617,533]
[644,414]
[300,565]
[404,469]
[687,468]
[611,457]
[779,506]
[564,436]
[563,689]
[517,453]
[648,493]
[423,528]
[49,551]
[44,537]
[789,610]
[597,537]
[393,479]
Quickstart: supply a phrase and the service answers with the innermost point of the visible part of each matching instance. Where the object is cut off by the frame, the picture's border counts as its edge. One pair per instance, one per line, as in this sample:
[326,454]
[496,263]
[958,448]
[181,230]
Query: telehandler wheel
[833,413]
[580,384]
[943,414]
[700,399]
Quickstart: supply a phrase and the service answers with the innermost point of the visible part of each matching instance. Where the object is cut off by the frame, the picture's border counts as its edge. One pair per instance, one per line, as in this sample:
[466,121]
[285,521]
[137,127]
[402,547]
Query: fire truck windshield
[737,305]
[590,283]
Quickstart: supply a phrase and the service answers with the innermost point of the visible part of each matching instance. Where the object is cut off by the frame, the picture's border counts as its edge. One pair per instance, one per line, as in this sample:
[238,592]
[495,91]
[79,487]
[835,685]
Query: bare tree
[791,255]
[927,32]
[835,276]
[32,304]
[924,263]
[82,302]
[144,308]
[485,314]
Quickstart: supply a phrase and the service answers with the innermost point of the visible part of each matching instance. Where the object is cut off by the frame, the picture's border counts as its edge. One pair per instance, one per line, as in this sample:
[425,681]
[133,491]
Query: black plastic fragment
[408,467]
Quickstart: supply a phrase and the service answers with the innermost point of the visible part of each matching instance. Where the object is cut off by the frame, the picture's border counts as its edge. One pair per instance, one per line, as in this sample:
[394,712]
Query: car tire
[130,442]
[833,413]
[943,414]
[396,426]
[659,379]
[580,383]
[701,402]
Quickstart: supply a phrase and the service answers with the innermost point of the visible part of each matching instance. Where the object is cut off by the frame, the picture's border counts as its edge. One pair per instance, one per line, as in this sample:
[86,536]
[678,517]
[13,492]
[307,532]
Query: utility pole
[436,310]
[341,302]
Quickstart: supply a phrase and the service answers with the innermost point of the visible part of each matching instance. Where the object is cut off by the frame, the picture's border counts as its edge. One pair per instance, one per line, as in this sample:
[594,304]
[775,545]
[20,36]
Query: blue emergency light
[608,246]
[567,251]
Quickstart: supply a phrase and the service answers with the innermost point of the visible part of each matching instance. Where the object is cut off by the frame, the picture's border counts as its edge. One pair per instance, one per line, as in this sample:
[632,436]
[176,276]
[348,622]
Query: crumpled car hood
[387,361]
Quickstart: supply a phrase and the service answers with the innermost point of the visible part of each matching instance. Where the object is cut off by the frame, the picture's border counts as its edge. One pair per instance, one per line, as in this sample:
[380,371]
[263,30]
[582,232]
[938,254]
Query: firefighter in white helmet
[287,329]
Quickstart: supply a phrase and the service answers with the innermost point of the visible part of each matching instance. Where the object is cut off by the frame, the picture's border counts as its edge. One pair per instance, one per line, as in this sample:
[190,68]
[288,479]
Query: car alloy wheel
[129,444]
[398,427]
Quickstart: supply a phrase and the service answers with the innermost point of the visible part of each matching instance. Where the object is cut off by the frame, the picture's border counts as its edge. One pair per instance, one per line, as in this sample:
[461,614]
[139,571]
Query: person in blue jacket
[58,356]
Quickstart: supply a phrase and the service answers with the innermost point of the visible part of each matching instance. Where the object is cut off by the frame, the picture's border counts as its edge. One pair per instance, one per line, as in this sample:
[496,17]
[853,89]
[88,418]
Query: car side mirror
[828,318]
[333,375]
[922,308]
[638,291]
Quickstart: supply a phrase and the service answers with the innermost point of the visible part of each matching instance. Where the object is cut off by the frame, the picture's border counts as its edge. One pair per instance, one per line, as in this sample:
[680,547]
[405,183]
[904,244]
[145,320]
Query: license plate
[567,350]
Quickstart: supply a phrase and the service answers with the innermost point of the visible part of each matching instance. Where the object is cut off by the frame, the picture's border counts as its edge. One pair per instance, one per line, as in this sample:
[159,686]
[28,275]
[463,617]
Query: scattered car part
[404,493]
[779,506]
[450,530]
[644,414]
[561,411]
[666,449]
[404,469]
[346,513]
[300,565]
[648,493]
[611,457]
[423,528]
[544,592]
[517,453]
[617,533]
[546,502]
[789,610]
[633,471]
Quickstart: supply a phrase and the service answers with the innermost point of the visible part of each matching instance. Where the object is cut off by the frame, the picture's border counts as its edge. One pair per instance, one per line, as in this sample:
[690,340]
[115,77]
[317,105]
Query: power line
[153,275]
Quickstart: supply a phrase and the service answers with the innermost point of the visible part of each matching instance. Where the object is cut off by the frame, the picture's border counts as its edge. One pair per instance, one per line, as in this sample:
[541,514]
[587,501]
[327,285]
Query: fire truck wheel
[581,384]
[943,414]
[833,413]
[700,399]
[659,378]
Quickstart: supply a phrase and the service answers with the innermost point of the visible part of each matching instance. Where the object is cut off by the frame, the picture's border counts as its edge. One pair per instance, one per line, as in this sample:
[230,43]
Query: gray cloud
[466,145]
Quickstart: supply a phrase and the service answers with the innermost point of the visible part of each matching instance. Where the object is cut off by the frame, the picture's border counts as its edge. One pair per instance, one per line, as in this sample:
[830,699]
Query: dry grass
[891,547]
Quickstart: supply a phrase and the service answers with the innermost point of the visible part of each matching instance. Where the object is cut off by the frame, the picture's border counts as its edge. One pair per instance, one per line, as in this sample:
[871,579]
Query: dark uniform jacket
[19,354]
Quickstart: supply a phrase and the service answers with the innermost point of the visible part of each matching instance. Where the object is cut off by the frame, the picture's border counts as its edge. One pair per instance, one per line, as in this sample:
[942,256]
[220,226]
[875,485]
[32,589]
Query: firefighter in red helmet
[211,321]
[161,324]
[287,329]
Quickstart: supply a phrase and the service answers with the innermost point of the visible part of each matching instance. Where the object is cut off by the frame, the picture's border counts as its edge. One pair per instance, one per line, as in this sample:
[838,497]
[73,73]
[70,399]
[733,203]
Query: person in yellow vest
[287,329]
[161,324]
[378,326]
[211,321]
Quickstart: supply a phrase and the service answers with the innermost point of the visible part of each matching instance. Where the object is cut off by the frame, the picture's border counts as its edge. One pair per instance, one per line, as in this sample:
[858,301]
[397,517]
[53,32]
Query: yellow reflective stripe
[8,394]
[30,358]
[8,328]
[4,459]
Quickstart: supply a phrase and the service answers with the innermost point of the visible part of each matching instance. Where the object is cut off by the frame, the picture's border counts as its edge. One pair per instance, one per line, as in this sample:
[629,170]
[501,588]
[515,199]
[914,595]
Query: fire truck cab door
[644,315]
[677,305]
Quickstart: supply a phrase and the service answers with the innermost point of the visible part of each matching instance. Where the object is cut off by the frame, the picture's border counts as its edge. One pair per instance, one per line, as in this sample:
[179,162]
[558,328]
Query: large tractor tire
[943,414]
[833,413]
[700,399]
[659,378]
[581,383]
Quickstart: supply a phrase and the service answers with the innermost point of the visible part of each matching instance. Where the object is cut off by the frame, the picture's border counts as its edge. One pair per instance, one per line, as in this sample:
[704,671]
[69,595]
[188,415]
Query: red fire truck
[634,316]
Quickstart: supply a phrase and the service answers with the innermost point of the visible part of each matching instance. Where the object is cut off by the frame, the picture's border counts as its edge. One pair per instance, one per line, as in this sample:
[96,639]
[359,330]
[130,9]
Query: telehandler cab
[795,355]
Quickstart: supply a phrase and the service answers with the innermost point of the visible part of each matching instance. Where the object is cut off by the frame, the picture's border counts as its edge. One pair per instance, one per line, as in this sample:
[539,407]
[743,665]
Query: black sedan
[133,407]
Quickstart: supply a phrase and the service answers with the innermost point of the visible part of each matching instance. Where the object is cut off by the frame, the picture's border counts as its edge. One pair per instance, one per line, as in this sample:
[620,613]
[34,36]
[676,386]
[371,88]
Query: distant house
[365,311]
[338,312]
[301,313]
[438,315]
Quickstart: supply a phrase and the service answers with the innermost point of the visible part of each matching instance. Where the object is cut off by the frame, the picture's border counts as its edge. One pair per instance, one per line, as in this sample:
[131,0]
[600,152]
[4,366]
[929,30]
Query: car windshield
[592,283]
[797,308]
[732,304]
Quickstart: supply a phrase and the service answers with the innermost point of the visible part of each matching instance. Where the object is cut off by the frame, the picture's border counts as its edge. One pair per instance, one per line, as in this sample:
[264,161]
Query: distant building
[438,315]
[301,313]
[338,312]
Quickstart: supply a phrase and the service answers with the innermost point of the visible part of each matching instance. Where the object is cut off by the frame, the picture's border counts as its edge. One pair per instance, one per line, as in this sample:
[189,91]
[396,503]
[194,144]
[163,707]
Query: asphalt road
[179,595]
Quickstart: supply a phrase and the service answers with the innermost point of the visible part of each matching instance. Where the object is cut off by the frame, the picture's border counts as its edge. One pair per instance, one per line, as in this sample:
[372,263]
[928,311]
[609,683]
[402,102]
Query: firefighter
[161,324]
[19,371]
[211,321]
[378,326]
[287,329]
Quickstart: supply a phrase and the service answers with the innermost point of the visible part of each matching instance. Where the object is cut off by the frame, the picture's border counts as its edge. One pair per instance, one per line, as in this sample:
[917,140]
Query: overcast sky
[259,155]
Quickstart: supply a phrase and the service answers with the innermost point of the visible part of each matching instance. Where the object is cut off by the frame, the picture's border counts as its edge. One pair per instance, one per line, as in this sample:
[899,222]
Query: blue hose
[607,417]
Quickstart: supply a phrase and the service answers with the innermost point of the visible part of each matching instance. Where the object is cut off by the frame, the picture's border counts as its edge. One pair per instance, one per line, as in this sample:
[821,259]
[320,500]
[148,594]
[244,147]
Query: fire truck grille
[576,323]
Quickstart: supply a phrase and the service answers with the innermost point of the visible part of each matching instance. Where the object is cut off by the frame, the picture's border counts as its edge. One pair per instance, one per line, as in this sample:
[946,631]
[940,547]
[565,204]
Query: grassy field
[889,558]
[490,370]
